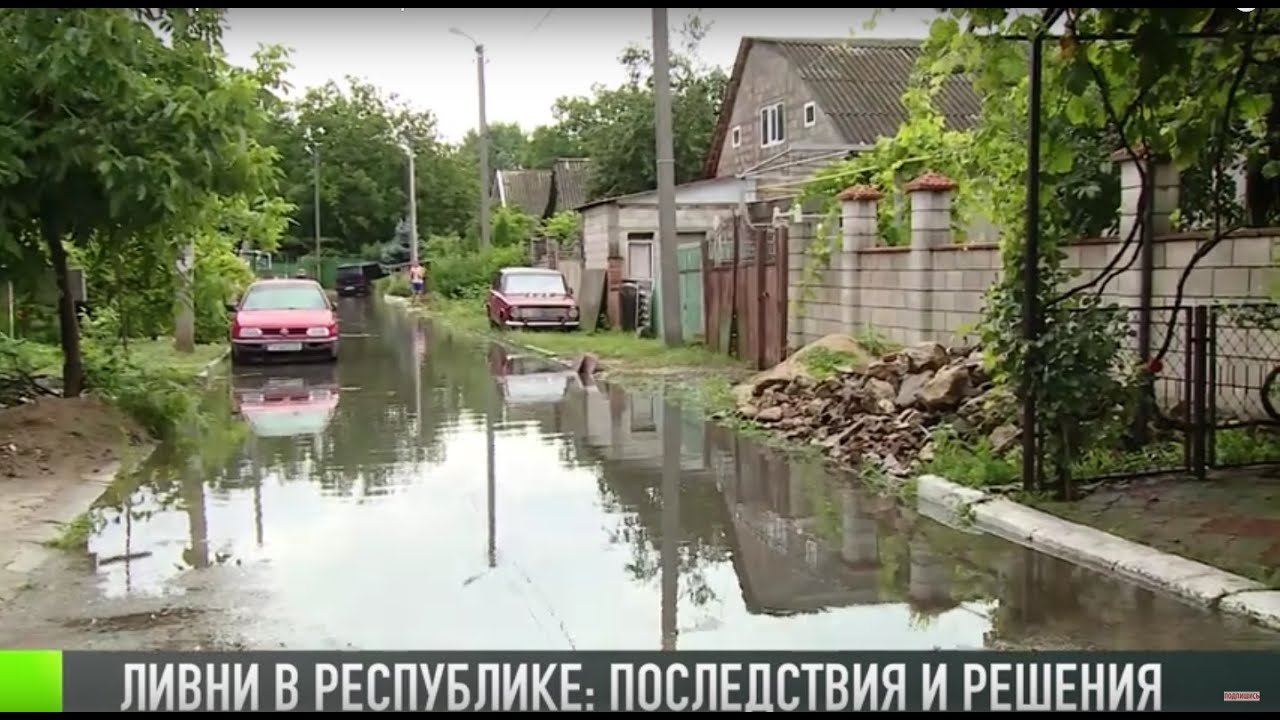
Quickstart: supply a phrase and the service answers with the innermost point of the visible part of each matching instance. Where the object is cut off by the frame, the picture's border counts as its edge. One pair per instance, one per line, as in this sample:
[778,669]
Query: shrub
[469,275]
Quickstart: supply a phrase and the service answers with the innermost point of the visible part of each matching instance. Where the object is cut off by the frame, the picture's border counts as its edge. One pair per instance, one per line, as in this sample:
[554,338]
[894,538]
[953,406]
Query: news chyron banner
[53,681]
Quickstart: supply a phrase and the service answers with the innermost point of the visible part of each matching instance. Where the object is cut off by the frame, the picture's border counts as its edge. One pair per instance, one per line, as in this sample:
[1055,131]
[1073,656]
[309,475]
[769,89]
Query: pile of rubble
[880,410]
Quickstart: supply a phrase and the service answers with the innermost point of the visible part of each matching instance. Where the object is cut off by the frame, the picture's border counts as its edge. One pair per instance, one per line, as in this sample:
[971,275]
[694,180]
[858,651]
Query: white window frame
[810,114]
[736,136]
[773,125]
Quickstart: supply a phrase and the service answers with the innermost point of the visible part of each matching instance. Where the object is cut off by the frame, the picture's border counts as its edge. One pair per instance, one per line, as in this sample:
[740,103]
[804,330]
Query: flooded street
[433,493]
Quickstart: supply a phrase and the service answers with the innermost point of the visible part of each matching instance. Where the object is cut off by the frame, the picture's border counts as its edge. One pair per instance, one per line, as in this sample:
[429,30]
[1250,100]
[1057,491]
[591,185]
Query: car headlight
[318,332]
[250,332]
[573,313]
[515,313]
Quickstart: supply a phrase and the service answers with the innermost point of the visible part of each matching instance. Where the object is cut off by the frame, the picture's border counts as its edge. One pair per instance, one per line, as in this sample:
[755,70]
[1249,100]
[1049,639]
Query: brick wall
[935,289]
[938,293]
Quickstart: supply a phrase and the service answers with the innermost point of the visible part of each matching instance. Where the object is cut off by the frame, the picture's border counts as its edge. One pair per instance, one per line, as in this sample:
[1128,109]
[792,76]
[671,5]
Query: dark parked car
[357,279]
[533,298]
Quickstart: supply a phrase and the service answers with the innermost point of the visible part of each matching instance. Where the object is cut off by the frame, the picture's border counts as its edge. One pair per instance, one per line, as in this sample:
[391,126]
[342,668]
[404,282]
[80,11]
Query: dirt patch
[62,439]
[1231,521]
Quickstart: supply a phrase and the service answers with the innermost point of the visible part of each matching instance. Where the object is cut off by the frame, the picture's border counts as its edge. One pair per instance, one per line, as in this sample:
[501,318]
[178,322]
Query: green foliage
[157,395]
[565,227]
[1199,102]
[614,127]
[458,273]
[512,228]
[971,464]
[118,138]
[359,132]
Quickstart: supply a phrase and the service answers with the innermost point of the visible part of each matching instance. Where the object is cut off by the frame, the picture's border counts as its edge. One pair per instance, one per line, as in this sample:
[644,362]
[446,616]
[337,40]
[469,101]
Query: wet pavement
[429,492]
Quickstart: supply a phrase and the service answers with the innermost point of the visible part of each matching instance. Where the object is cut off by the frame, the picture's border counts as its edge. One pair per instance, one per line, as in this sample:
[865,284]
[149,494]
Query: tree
[548,143]
[1136,79]
[508,147]
[361,132]
[117,133]
[614,127]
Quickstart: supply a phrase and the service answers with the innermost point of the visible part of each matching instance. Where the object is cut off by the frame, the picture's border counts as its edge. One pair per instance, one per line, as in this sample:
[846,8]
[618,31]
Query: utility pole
[315,172]
[315,167]
[413,209]
[668,278]
[484,152]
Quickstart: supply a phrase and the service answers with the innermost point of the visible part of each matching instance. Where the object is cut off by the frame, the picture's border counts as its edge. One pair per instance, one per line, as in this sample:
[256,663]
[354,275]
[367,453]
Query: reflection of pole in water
[128,543]
[670,550]
[418,342]
[491,481]
[257,510]
[197,521]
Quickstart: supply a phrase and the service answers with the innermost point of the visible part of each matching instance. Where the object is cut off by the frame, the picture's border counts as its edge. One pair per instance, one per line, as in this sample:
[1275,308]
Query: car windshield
[534,284]
[285,297]
[350,272]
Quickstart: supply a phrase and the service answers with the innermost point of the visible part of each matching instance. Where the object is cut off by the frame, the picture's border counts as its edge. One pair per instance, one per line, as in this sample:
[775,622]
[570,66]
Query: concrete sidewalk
[1175,574]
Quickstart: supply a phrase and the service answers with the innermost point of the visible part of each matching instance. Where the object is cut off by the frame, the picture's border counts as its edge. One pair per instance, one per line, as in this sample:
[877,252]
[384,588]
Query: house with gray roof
[543,192]
[794,104]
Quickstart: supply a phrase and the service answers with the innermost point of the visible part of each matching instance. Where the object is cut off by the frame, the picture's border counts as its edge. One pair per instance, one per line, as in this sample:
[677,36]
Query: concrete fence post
[931,195]
[859,229]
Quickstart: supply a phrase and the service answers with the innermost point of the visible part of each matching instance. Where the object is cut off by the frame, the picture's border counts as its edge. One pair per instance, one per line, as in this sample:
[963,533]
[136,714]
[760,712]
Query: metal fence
[1211,399]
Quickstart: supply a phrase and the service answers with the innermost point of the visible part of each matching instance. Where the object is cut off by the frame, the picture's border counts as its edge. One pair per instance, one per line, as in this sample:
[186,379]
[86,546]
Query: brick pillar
[1166,189]
[931,195]
[859,231]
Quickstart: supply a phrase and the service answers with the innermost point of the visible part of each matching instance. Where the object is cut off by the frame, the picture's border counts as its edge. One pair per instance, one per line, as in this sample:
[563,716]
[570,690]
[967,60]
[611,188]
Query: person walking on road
[417,278]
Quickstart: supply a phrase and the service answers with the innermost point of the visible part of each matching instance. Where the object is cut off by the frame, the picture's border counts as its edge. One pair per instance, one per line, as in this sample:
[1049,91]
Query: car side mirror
[231,307]
[569,292]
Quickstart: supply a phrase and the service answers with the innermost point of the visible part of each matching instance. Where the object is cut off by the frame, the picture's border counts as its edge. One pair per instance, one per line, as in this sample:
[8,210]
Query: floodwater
[429,492]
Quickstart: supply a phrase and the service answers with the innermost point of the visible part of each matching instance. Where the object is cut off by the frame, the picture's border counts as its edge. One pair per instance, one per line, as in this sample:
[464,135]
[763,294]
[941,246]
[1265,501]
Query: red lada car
[532,298]
[286,319]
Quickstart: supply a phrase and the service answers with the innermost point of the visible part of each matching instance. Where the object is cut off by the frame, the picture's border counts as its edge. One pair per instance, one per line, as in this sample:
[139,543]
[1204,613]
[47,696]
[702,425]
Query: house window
[736,135]
[773,124]
[810,114]
[640,256]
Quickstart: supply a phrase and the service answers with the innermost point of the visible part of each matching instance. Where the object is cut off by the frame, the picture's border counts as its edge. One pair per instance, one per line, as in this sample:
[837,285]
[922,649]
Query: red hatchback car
[283,319]
[533,298]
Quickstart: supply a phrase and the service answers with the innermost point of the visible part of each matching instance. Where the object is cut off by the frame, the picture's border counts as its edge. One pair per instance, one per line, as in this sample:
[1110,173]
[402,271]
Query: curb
[1191,581]
[208,367]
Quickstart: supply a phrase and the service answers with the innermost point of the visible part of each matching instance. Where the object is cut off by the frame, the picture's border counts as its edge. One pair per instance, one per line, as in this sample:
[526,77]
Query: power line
[547,14]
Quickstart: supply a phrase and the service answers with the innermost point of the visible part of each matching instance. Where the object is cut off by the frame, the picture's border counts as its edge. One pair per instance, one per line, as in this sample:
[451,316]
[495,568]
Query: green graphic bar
[30,681]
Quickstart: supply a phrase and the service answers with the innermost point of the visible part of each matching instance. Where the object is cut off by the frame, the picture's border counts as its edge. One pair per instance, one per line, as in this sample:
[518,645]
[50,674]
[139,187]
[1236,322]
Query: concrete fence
[934,288]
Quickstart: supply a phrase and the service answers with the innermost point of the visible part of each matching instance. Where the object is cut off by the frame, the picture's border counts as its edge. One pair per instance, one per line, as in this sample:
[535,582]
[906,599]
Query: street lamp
[313,147]
[413,207]
[482,144]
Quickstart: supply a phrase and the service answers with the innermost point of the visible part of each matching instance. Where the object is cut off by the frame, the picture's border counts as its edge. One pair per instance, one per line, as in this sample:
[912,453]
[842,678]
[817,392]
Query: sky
[534,55]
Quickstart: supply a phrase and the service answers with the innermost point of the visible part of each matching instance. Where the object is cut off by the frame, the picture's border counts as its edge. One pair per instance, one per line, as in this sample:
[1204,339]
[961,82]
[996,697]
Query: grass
[75,535]
[619,352]
[159,352]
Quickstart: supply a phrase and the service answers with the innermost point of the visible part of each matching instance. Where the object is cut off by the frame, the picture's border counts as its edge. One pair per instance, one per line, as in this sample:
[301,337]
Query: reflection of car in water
[286,400]
[528,379]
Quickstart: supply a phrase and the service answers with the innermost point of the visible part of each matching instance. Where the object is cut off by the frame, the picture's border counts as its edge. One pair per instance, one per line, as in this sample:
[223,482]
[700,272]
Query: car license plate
[284,347]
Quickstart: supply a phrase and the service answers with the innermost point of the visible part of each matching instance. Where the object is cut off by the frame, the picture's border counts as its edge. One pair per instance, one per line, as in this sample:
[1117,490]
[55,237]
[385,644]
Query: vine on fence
[1197,102]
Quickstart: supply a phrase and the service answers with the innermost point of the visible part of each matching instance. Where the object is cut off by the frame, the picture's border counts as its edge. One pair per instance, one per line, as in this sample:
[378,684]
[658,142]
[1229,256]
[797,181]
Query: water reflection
[604,520]
[286,401]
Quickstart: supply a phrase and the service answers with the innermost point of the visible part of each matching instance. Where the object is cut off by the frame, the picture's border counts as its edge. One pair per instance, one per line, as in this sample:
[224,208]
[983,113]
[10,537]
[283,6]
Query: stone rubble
[882,410]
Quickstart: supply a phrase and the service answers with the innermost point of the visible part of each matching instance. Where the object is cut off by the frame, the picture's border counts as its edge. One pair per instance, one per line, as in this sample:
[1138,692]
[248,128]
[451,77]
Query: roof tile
[859,83]
[526,190]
